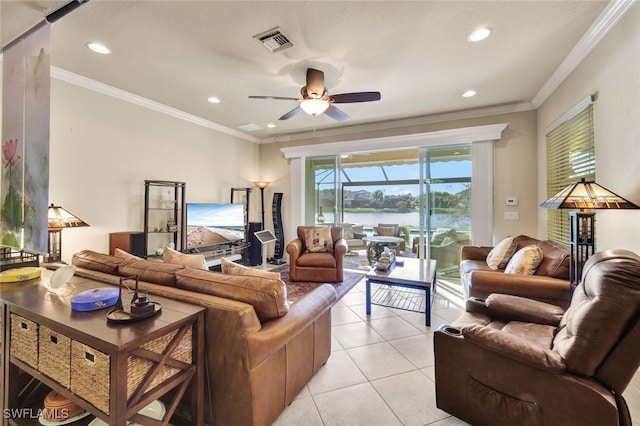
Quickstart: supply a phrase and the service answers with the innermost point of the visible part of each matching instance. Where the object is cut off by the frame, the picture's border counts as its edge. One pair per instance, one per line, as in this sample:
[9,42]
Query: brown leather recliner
[516,361]
[317,267]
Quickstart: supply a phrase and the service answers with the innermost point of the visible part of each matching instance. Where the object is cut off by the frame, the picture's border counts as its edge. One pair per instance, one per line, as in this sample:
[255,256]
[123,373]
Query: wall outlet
[510,215]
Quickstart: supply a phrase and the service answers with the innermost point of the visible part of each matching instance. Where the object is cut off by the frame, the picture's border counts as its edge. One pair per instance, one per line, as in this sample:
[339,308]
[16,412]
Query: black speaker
[255,248]
[277,226]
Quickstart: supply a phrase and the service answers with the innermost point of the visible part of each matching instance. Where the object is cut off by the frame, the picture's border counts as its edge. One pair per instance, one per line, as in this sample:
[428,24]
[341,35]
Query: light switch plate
[510,215]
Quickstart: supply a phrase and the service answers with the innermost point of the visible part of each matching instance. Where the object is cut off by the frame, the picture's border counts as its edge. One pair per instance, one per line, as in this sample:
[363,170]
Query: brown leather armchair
[317,267]
[509,360]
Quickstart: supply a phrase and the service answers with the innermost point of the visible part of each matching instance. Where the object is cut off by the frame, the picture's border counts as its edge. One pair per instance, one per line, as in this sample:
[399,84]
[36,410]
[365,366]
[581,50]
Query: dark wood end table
[414,274]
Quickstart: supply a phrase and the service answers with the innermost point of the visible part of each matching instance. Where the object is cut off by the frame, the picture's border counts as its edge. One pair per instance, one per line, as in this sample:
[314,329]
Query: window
[570,157]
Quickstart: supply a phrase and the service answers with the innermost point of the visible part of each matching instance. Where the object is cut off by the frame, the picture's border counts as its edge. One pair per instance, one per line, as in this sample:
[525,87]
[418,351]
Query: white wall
[102,150]
[612,71]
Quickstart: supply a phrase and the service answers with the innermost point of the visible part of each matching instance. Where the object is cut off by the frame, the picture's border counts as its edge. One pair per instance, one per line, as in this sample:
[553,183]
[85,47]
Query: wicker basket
[90,377]
[138,368]
[59,408]
[24,340]
[55,355]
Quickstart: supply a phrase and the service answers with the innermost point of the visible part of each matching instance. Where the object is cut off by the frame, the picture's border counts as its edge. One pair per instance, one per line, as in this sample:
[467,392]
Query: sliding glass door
[321,190]
[426,192]
[446,206]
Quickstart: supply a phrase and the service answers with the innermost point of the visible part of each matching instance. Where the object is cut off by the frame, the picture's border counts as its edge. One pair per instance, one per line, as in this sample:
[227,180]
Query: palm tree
[377,196]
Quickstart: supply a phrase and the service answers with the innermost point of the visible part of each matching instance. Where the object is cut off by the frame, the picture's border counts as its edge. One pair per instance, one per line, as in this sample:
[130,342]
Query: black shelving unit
[164,215]
[582,243]
[242,196]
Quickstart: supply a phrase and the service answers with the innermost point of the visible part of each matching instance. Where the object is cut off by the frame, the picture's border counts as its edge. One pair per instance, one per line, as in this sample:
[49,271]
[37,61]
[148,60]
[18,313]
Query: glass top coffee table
[400,283]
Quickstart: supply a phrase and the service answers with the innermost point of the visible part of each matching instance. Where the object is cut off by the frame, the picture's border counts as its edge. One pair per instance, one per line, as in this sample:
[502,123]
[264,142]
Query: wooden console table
[110,370]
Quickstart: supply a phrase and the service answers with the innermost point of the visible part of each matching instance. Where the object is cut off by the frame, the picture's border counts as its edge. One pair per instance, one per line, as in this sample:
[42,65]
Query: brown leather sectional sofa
[259,350]
[549,284]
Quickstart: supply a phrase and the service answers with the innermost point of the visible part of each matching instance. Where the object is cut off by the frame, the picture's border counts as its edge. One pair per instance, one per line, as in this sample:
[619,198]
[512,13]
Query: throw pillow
[124,254]
[194,260]
[499,256]
[347,232]
[525,261]
[318,240]
[231,268]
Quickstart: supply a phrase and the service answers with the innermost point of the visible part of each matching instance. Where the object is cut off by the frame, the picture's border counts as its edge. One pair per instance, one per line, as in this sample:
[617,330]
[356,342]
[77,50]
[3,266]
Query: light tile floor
[381,370]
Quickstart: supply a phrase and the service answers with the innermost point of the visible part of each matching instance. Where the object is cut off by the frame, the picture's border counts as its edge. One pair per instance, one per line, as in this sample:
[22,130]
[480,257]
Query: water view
[410,219]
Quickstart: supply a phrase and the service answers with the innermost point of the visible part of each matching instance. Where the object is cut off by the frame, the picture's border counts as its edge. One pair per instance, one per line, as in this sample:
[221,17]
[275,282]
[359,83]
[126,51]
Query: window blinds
[570,157]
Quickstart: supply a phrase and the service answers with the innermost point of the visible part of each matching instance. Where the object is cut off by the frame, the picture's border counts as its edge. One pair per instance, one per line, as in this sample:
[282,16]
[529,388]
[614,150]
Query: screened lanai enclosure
[426,192]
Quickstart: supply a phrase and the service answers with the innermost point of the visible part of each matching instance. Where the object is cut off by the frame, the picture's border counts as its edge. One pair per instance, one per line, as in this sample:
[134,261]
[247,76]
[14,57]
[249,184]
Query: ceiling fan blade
[291,113]
[315,82]
[345,98]
[336,114]
[279,98]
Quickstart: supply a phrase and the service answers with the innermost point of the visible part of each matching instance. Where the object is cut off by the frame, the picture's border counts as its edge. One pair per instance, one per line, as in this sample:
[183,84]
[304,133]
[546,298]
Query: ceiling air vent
[274,40]
[249,127]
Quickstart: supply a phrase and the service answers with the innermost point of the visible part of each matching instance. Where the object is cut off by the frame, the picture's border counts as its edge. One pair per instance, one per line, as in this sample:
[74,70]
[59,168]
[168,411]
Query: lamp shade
[587,195]
[60,218]
[314,106]
[261,185]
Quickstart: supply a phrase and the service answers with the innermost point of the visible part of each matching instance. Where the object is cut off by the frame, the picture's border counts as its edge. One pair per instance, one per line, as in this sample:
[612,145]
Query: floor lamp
[58,219]
[262,186]
[580,196]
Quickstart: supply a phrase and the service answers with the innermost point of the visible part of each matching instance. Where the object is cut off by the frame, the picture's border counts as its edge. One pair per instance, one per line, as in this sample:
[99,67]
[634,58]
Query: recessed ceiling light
[214,100]
[271,125]
[98,48]
[469,93]
[479,34]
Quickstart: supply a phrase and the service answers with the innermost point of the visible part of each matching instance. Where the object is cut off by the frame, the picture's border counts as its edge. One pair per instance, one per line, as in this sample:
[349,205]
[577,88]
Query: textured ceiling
[178,53]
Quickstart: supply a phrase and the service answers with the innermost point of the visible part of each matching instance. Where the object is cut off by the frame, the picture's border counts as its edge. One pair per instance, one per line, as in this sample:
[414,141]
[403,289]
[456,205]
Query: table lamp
[59,219]
[584,195]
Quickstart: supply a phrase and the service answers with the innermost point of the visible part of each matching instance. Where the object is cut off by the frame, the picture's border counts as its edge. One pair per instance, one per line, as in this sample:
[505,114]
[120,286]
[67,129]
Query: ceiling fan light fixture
[314,107]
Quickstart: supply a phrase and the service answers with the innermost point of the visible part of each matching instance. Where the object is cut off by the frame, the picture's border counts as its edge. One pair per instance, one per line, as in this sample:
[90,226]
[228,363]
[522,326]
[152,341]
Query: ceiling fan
[316,99]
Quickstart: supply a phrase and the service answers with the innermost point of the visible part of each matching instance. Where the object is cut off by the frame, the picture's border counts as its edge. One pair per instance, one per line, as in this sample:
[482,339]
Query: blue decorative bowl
[94,299]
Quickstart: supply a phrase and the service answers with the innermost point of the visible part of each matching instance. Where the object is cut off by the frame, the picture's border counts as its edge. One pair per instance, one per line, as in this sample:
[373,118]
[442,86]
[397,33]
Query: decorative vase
[320,216]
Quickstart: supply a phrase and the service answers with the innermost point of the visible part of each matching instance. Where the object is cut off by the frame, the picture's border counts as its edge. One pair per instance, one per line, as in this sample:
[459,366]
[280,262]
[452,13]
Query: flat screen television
[211,224]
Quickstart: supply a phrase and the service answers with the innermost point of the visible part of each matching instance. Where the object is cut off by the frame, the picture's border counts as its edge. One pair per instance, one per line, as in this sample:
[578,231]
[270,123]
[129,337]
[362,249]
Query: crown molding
[96,86]
[396,124]
[607,20]
[393,143]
